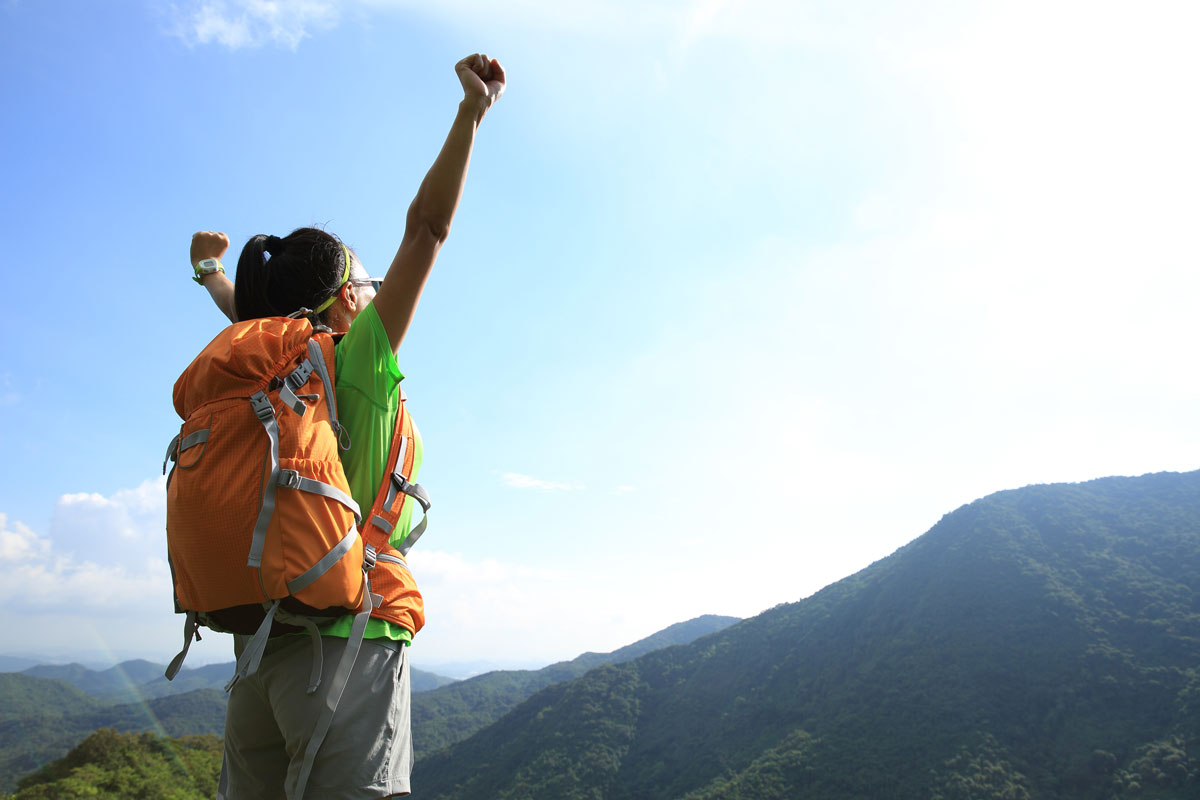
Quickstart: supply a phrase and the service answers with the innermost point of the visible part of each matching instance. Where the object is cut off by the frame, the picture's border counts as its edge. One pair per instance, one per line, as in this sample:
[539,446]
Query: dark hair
[305,269]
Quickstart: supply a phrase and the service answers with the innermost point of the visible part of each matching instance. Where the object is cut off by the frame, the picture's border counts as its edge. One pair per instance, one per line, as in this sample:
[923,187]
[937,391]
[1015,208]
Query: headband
[345,280]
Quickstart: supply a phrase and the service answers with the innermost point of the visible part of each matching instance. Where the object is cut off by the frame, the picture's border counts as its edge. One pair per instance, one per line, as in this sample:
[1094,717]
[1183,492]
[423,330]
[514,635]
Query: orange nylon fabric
[402,600]
[216,488]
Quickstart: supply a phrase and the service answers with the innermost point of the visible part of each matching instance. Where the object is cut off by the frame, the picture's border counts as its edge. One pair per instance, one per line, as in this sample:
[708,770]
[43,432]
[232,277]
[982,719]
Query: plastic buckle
[300,375]
[262,406]
[369,557]
[289,479]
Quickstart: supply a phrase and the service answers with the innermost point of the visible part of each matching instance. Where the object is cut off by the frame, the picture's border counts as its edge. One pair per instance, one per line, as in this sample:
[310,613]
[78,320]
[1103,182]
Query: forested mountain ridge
[43,718]
[47,710]
[1038,643]
[137,680]
[121,766]
[452,713]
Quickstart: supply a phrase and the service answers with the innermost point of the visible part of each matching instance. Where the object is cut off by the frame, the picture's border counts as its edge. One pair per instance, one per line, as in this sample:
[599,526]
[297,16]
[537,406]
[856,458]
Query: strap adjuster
[299,376]
[288,479]
[262,406]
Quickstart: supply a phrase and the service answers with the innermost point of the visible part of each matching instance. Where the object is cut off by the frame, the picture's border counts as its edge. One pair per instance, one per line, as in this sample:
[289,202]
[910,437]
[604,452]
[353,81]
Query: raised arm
[210,244]
[427,223]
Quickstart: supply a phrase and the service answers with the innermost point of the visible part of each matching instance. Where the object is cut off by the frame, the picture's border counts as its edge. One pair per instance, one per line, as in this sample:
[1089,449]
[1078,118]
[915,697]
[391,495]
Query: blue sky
[741,297]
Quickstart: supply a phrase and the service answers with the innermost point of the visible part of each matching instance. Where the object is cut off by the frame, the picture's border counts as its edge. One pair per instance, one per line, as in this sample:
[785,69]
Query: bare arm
[427,223]
[210,244]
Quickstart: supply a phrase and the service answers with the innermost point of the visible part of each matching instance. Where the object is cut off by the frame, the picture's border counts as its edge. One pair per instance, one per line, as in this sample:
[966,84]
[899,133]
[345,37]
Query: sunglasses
[374,283]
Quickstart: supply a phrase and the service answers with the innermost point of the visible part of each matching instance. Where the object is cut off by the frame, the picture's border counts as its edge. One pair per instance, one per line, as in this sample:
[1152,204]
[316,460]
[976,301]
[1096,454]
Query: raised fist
[208,244]
[481,77]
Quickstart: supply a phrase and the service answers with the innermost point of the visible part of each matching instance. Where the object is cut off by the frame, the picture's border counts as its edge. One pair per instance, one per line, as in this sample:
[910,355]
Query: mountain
[43,718]
[454,712]
[109,764]
[1038,643]
[123,676]
[422,681]
[133,681]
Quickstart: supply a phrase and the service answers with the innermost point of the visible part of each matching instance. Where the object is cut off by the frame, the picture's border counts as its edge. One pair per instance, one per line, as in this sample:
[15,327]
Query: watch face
[208,265]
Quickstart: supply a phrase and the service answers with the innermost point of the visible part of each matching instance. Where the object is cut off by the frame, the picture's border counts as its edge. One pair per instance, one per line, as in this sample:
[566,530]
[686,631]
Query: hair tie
[273,245]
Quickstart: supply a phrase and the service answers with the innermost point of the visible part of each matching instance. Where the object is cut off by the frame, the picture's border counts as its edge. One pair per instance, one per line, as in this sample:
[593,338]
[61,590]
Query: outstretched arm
[210,244]
[427,223]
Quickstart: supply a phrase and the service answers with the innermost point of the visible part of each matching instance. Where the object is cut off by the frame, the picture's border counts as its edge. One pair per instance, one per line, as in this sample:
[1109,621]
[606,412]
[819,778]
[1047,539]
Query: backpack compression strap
[287,478]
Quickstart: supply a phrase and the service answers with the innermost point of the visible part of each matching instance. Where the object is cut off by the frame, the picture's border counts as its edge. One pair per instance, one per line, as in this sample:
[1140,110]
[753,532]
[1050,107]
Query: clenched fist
[482,78]
[208,244]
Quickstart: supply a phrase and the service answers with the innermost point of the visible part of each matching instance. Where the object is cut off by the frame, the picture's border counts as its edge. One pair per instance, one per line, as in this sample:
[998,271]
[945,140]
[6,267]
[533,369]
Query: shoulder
[364,360]
[366,345]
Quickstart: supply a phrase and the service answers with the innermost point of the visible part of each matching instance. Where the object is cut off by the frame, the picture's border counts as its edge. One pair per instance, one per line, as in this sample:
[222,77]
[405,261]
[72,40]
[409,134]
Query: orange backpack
[263,536]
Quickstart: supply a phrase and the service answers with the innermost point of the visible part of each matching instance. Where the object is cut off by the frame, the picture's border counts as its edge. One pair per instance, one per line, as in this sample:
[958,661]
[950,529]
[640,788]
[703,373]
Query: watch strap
[207,266]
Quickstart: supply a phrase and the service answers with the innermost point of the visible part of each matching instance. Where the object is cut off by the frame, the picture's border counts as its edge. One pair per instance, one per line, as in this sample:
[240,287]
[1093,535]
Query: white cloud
[98,585]
[102,553]
[509,612]
[518,481]
[120,528]
[252,23]
[18,543]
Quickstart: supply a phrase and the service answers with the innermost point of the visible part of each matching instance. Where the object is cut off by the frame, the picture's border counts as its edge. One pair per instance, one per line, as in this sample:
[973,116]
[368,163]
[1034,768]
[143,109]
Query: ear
[348,294]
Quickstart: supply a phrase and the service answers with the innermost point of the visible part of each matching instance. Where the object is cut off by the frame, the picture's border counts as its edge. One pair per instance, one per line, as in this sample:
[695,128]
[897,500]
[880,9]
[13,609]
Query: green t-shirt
[367,384]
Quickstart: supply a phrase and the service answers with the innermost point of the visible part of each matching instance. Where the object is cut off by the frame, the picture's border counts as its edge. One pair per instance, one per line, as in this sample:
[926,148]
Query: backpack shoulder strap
[396,486]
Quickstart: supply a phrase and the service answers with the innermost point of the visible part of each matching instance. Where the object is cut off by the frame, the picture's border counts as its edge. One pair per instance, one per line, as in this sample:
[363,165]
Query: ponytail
[277,277]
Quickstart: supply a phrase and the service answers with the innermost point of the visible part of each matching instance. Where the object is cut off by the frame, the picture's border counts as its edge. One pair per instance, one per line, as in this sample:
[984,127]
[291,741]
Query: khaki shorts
[368,750]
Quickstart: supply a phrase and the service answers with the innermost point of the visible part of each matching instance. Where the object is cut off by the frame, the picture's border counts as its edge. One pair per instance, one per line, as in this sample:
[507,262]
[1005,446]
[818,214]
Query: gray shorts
[368,750]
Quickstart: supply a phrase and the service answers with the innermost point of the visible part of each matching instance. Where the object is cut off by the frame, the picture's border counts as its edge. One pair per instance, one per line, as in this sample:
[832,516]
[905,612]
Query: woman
[367,752]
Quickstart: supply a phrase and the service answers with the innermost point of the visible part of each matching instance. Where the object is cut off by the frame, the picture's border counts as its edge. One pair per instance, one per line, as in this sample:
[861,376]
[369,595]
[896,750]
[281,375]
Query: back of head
[277,277]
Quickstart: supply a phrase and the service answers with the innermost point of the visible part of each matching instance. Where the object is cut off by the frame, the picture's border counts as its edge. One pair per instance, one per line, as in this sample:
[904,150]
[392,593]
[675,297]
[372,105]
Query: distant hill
[122,677]
[133,681]
[129,765]
[423,681]
[41,719]
[1041,643]
[454,712]
[47,710]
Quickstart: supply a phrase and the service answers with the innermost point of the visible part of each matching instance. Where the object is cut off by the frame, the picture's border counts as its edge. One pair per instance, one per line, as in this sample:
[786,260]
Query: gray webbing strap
[318,666]
[399,484]
[391,559]
[314,635]
[266,415]
[248,663]
[170,456]
[413,535]
[317,359]
[418,493]
[177,446]
[296,379]
[193,439]
[340,676]
[189,632]
[291,400]
[381,523]
[291,479]
[414,490]
[295,585]
[223,781]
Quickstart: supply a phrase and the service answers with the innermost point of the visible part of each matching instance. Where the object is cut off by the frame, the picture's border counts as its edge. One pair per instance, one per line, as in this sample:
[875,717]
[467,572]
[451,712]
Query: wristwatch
[207,266]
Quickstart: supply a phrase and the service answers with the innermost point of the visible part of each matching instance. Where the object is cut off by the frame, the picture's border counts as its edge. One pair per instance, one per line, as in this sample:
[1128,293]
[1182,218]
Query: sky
[741,296]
